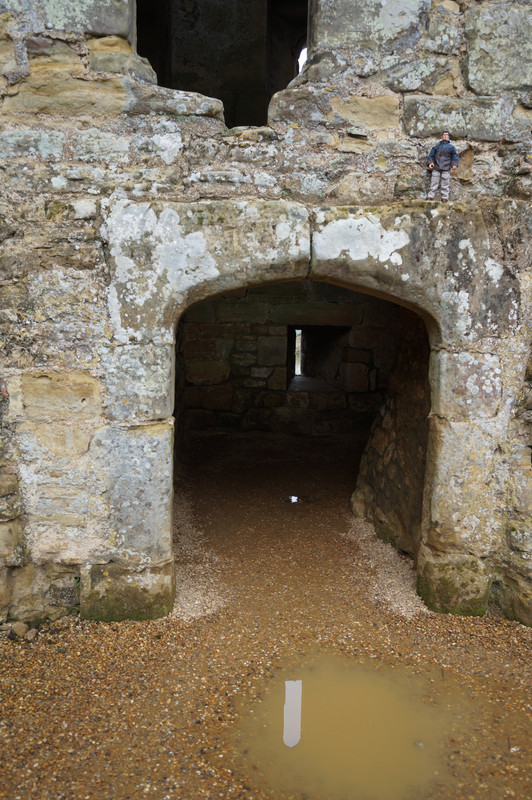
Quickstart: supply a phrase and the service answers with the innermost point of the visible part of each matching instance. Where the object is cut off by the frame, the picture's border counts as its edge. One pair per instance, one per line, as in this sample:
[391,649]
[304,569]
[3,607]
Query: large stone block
[110,592]
[96,145]
[484,118]
[163,258]
[465,507]
[137,465]
[31,143]
[140,381]
[466,384]
[371,25]
[438,76]
[459,585]
[444,33]
[369,112]
[55,439]
[423,256]
[272,351]
[89,16]
[53,395]
[10,540]
[43,592]
[499,47]
[113,54]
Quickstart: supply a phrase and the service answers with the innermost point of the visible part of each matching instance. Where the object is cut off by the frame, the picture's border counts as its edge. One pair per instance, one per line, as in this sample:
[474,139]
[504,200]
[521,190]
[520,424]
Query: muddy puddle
[331,727]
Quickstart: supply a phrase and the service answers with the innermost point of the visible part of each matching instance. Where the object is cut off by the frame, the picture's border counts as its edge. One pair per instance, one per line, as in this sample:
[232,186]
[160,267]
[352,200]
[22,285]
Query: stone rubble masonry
[234,351]
[125,204]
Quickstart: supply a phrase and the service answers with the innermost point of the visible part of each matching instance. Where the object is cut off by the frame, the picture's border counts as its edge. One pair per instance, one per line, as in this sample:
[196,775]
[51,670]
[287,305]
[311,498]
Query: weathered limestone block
[444,34]
[65,317]
[458,584]
[421,256]
[59,84]
[162,256]
[514,593]
[97,145]
[89,16]
[466,384]
[113,54]
[53,395]
[10,542]
[499,47]
[136,464]
[483,118]
[5,592]
[64,495]
[110,592]
[438,76]
[370,112]
[373,25]
[28,143]
[139,381]
[40,592]
[165,141]
[465,505]
[55,439]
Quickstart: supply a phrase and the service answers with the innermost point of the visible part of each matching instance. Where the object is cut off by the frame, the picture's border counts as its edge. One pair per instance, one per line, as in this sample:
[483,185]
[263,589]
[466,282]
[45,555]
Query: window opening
[302,58]
[241,53]
[297,352]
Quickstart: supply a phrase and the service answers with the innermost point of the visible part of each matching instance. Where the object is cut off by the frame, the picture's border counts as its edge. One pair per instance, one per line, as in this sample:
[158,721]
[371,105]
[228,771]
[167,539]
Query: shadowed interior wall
[235,353]
[240,51]
[390,483]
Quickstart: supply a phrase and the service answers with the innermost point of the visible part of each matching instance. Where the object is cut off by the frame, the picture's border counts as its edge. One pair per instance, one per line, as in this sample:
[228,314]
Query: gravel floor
[134,710]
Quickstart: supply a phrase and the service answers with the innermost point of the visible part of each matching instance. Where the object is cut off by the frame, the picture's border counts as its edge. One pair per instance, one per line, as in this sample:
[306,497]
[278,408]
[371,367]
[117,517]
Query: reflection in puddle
[292,713]
[360,732]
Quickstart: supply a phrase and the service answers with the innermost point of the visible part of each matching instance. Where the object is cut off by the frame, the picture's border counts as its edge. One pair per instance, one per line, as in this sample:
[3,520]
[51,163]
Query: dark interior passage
[240,51]
[363,384]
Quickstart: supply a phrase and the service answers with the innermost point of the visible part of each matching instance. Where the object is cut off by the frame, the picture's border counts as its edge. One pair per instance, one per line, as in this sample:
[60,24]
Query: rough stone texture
[124,205]
[238,355]
[110,592]
[391,478]
[499,47]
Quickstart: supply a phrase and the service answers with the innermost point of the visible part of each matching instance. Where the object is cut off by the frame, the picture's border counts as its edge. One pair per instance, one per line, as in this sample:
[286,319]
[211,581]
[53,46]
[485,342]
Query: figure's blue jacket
[443,155]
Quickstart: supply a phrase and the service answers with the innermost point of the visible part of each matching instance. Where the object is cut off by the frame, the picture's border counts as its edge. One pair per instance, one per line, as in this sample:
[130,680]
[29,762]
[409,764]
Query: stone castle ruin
[157,266]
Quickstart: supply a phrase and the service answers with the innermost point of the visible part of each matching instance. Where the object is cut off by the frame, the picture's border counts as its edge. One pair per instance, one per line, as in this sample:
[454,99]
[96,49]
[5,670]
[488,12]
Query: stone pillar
[464,503]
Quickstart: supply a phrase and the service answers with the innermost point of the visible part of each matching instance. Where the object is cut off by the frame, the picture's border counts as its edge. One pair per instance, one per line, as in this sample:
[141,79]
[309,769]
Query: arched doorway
[192,252]
[362,388]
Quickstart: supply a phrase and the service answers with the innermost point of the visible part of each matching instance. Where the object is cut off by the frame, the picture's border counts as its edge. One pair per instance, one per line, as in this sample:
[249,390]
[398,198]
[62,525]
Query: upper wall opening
[240,51]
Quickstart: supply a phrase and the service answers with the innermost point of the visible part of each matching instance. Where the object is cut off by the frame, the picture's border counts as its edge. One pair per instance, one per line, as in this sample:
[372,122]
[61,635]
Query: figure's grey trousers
[445,176]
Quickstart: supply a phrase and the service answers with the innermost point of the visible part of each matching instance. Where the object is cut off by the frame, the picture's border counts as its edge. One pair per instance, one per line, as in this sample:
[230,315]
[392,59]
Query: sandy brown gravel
[136,710]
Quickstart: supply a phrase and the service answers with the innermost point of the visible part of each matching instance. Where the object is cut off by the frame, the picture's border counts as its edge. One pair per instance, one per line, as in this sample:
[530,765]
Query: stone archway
[165,257]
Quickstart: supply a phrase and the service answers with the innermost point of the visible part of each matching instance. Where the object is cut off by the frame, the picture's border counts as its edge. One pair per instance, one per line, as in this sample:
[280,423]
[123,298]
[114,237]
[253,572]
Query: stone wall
[389,490]
[124,204]
[239,376]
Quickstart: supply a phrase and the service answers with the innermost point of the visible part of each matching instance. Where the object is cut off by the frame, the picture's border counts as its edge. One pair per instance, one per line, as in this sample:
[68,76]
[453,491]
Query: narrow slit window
[302,58]
[297,353]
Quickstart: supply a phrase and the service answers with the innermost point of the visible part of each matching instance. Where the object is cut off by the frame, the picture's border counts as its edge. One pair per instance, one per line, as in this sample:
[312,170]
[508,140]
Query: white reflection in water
[292,712]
